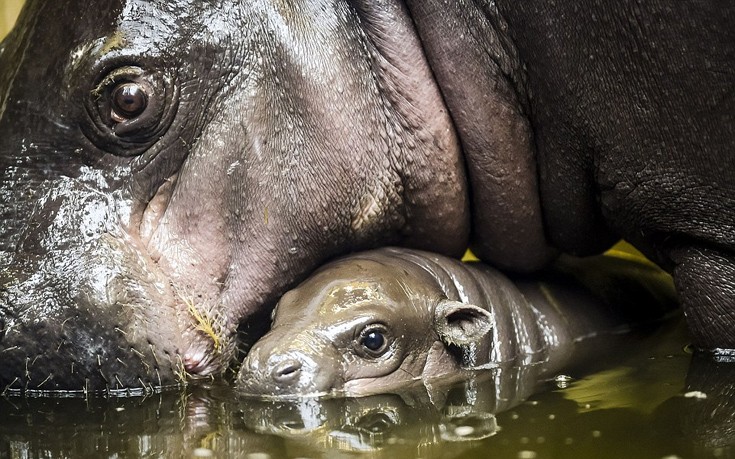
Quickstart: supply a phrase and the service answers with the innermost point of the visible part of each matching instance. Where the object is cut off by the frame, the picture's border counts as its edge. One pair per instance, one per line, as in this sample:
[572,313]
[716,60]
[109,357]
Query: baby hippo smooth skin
[383,320]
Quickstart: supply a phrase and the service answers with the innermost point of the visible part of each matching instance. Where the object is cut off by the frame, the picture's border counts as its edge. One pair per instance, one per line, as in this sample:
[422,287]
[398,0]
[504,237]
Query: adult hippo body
[168,168]
[384,320]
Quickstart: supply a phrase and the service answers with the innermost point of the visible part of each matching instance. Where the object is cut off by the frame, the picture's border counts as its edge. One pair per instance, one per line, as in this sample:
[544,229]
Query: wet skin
[386,320]
[169,168]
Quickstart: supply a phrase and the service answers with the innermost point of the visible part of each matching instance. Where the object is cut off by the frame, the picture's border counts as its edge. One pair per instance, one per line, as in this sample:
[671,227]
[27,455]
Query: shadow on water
[643,406]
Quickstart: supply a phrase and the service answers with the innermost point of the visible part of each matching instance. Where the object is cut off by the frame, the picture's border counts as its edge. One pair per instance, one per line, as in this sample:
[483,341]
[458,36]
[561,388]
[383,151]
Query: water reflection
[211,421]
[687,415]
[416,423]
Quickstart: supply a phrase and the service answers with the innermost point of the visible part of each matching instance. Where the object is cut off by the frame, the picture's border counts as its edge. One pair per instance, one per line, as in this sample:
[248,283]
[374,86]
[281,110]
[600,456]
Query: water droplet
[562,381]
[464,431]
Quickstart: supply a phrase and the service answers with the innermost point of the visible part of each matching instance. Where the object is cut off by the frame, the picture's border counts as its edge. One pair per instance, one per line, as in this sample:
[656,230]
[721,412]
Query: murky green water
[647,399]
[644,400]
[8,12]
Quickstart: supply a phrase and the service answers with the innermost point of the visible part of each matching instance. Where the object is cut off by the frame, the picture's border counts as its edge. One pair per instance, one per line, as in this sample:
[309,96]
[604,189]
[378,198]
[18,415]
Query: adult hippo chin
[168,168]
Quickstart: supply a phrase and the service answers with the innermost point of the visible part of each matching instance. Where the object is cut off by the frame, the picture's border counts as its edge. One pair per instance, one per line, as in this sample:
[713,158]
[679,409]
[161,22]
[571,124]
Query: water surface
[644,399]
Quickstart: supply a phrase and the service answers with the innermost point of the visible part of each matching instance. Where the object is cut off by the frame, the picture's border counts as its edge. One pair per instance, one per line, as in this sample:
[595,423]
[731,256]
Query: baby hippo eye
[373,341]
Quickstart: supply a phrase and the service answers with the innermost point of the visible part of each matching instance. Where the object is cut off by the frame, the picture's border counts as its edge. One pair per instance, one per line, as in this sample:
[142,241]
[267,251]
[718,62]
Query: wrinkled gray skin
[387,319]
[163,160]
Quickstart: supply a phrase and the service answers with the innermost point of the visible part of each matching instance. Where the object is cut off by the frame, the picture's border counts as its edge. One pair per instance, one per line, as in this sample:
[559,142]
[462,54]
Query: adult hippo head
[169,167]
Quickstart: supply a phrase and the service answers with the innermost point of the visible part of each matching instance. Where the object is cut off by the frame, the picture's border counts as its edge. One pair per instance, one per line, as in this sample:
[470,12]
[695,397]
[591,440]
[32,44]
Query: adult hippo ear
[461,324]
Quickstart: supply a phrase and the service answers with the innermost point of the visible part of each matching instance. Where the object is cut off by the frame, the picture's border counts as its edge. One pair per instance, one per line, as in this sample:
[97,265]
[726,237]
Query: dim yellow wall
[9,10]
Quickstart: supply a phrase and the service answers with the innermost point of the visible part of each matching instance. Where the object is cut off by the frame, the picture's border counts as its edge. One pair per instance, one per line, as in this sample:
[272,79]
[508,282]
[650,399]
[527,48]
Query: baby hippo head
[365,324]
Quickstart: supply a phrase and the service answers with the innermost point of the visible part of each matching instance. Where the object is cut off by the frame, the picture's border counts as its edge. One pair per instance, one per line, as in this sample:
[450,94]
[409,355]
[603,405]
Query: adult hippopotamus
[388,319]
[168,168]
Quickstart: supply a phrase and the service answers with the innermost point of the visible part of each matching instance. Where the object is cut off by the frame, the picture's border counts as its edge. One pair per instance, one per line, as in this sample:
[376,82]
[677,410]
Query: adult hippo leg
[627,112]
[642,116]
[704,281]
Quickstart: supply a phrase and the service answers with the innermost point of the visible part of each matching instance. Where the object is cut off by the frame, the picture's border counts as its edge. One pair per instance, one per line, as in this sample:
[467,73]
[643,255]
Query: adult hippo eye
[131,108]
[128,101]
[373,341]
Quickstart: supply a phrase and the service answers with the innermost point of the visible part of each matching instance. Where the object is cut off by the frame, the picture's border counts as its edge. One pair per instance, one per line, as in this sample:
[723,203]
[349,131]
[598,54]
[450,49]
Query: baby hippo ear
[460,324]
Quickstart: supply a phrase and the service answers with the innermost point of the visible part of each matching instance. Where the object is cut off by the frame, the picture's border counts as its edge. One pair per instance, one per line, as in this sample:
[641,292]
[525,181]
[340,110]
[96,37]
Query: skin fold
[169,168]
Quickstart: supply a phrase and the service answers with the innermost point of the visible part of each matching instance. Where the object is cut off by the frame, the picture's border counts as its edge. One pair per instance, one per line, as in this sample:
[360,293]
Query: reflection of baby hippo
[382,320]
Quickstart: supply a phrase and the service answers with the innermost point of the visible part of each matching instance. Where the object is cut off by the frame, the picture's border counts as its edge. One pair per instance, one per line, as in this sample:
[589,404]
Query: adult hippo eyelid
[130,134]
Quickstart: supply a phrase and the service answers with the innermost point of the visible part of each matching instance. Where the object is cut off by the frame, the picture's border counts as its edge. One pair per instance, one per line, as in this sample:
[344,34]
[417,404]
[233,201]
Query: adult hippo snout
[80,309]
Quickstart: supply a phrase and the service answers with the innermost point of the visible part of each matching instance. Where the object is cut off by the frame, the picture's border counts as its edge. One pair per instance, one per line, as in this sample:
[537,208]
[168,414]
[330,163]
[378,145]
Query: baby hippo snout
[291,372]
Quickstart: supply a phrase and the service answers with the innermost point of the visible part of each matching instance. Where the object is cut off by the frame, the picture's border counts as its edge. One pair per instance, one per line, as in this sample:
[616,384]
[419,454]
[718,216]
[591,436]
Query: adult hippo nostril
[286,371]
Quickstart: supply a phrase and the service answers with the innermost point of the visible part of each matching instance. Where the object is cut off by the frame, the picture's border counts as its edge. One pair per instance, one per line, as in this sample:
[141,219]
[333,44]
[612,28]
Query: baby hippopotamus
[382,320]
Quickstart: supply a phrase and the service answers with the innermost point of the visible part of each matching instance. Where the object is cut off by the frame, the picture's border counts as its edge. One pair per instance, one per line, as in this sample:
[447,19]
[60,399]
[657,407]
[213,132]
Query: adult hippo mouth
[168,168]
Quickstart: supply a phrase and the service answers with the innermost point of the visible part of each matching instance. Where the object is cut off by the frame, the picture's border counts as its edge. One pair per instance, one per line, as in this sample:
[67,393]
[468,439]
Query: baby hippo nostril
[286,371]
